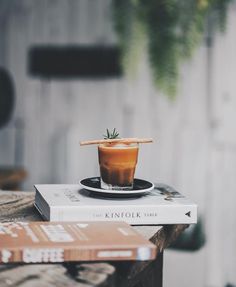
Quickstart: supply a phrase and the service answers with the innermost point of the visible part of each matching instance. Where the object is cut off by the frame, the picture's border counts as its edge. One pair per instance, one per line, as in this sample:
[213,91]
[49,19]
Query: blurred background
[164,69]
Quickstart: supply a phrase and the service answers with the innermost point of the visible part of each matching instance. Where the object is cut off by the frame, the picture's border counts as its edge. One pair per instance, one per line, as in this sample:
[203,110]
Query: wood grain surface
[18,206]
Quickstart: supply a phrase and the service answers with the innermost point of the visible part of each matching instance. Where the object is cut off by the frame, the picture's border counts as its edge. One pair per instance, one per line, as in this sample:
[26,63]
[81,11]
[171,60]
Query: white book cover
[67,202]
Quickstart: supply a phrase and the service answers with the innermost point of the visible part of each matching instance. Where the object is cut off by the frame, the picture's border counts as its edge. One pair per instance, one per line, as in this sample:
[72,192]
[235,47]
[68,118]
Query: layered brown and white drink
[117,165]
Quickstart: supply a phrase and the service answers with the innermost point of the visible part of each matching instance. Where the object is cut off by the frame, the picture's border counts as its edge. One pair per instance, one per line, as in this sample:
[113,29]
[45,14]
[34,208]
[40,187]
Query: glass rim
[118,145]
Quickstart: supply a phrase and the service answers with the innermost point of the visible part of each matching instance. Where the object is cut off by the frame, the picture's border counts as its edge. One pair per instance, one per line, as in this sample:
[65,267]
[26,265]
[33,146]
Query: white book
[67,202]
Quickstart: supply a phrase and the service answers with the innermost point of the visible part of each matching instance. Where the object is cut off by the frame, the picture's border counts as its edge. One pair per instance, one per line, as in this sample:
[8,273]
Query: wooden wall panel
[223,84]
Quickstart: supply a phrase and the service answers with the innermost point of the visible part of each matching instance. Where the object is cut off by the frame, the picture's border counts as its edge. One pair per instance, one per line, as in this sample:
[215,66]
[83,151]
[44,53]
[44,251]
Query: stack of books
[85,226]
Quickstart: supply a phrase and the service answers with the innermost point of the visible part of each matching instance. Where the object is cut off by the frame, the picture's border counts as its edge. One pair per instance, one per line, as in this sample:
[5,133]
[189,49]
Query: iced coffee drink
[117,159]
[117,165]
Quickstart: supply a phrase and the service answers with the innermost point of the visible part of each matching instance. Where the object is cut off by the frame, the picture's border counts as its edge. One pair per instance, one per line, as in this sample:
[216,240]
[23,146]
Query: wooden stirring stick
[122,140]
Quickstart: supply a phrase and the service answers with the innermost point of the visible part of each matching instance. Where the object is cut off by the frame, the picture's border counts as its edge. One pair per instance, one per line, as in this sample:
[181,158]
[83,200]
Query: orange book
[44,242]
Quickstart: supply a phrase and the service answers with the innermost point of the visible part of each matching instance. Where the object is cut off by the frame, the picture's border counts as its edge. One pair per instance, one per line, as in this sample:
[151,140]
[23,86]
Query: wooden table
[18,206]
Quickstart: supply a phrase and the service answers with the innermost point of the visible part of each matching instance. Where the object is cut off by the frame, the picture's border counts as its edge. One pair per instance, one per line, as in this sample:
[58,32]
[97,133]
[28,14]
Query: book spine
[133,215]
[32,255]
[56,255]
[104,254]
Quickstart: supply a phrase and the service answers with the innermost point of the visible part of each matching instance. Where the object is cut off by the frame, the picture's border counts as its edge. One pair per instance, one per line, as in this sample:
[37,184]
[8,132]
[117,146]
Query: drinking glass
[117,165]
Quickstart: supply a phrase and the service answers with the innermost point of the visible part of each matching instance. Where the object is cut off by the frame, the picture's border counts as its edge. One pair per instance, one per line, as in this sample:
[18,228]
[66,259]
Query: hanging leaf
[170,29]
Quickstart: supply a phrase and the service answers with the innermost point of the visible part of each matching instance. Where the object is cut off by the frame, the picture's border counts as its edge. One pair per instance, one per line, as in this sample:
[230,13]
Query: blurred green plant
[171,31]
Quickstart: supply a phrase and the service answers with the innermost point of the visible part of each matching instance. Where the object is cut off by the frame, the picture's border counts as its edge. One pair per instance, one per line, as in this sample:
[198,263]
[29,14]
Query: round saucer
[140,187]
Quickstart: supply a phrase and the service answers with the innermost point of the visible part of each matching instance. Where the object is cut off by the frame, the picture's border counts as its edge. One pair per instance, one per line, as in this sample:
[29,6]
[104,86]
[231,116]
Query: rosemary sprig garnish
[111,135]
